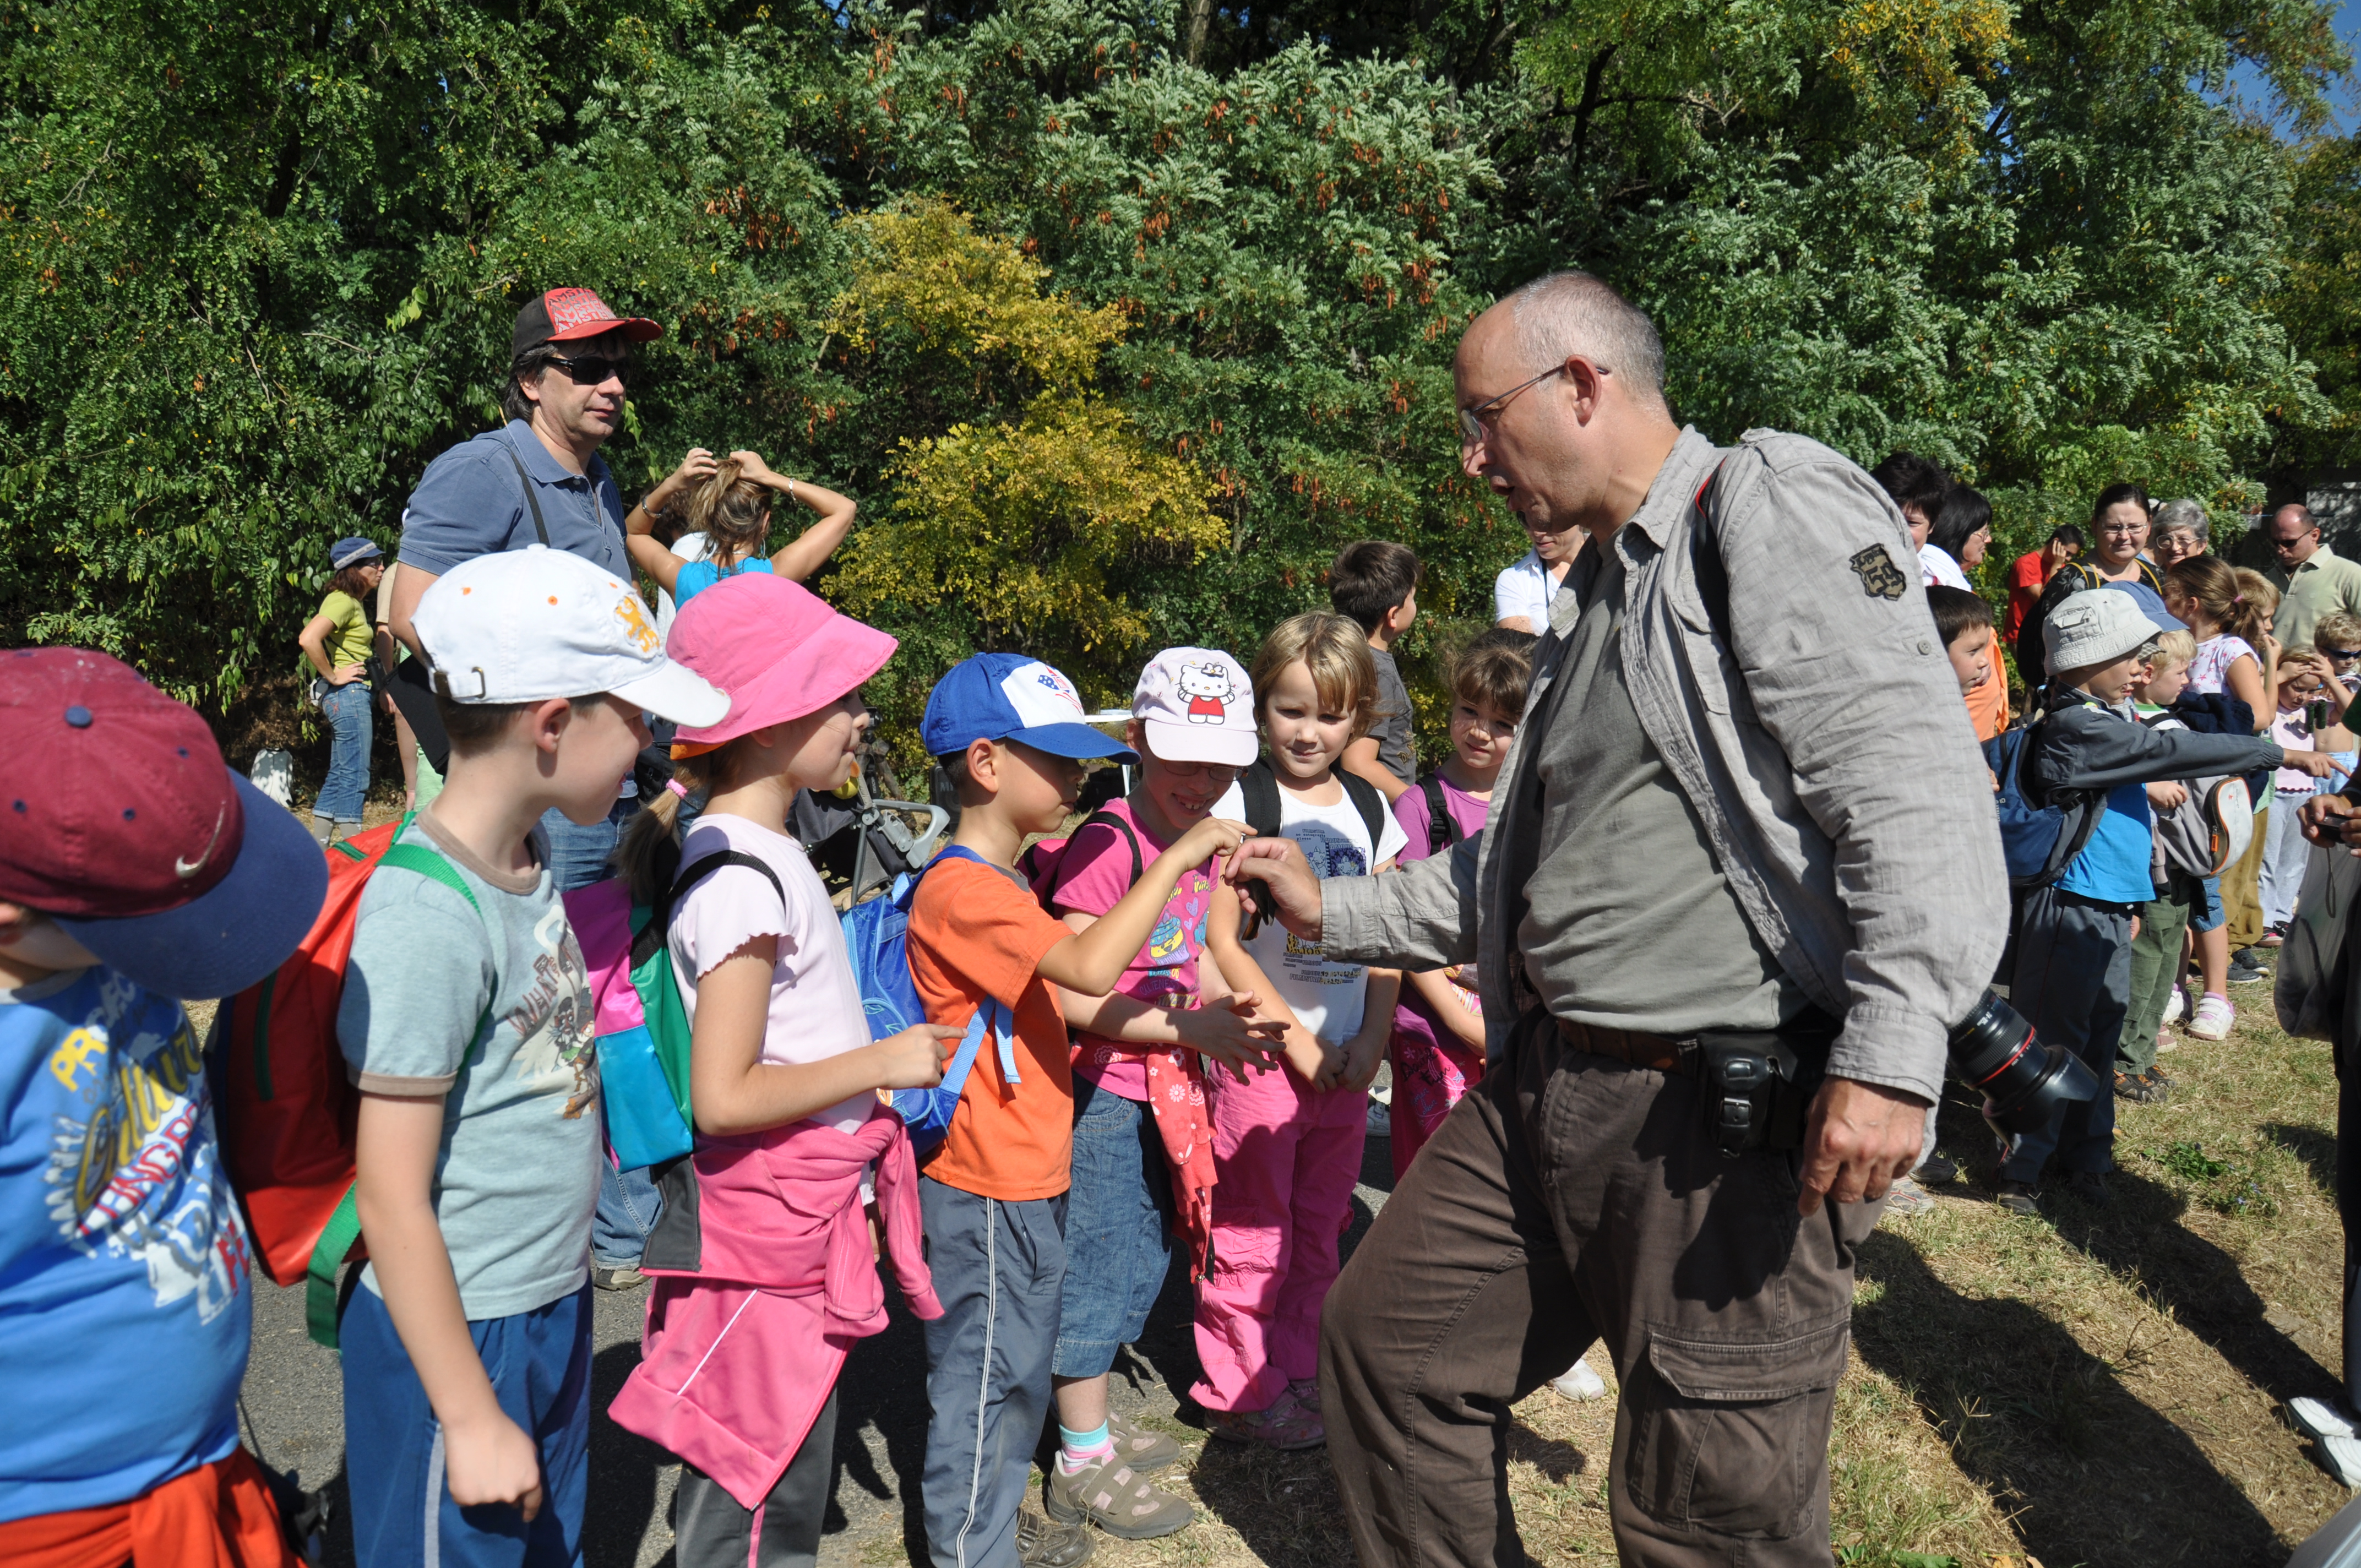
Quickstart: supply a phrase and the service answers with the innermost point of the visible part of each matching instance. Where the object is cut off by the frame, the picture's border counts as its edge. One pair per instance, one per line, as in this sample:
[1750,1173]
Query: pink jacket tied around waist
[738,1356]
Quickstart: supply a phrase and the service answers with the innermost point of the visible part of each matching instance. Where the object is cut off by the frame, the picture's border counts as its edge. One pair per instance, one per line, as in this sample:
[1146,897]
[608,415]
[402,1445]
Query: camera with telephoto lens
[2023,1082]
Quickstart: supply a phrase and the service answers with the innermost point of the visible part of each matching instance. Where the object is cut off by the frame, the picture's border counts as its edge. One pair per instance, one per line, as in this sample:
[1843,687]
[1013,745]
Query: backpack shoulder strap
[693,874]
[425,862]
[1262,792]
[1130,838]
[1442,828]
[1371,806]
[533,502]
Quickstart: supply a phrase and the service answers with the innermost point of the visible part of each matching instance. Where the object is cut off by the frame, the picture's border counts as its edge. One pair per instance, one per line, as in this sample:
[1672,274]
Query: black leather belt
[1654,1052]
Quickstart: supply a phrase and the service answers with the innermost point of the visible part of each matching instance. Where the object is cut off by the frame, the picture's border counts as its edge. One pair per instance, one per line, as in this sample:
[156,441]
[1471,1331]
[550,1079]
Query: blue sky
[2346,98]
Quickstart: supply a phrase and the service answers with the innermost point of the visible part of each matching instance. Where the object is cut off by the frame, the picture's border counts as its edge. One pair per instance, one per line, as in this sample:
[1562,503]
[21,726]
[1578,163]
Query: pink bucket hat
[775,647]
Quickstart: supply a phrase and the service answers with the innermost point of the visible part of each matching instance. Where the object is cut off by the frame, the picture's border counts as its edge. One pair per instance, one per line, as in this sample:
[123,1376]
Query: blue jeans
[577,855]
[1117,1249]
[348,712]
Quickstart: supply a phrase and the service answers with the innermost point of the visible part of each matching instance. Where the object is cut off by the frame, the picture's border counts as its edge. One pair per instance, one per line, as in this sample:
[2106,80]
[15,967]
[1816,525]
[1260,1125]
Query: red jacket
[739,1357]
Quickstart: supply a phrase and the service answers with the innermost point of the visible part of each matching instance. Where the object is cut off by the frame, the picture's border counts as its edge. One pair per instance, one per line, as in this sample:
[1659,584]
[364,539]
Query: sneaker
[2136,1088]
[2318,1418]
[1381,1122]
[2089,1186]
[1935,1170]
[2165,1042]
[2247,967]
[1139,1447]
[2156,1076]
[1286,1427]
[2272,936]
[2341,1456]
[2016,1197]
[1042,1545]
[617,1276]
[1579,1382]
[1906,1197]
[1113,1495]
[2176,1006]
[1306,1392]
[2212,1019]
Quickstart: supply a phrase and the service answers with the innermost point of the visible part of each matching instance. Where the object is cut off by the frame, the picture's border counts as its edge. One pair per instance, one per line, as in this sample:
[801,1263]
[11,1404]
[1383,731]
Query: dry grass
[2098,1386]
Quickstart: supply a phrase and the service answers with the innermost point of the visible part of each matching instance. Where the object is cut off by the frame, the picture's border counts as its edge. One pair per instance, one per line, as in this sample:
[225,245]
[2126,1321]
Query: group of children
[1158,1067]
[2140,724]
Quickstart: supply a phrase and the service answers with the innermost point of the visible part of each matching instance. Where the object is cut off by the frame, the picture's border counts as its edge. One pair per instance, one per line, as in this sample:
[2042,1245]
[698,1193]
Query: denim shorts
[1117,1249]
[2205,912]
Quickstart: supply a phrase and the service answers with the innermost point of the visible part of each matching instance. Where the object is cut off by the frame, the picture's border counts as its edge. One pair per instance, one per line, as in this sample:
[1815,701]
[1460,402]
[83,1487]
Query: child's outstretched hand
[2319,765]
[914,1058]
[492,1460]
[1228,1032]
[1213,836]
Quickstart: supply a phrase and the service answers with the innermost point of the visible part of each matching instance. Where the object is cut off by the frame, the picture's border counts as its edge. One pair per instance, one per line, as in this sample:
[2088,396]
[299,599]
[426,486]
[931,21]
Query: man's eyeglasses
[591,369]
[1472,421]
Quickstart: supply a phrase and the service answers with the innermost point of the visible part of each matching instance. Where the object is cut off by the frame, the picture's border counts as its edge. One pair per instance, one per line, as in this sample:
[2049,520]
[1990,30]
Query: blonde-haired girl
[730,507]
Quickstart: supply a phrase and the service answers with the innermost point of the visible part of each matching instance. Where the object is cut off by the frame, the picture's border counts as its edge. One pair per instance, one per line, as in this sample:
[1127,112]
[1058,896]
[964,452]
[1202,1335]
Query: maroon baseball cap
[124,825]
[565,315]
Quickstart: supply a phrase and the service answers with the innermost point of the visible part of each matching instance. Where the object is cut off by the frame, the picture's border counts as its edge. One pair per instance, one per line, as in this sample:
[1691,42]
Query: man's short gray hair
[2183,517]
[1574,312]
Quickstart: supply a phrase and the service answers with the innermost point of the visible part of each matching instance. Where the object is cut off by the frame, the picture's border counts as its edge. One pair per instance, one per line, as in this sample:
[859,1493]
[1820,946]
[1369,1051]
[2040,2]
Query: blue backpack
[875,937]
[2039,838]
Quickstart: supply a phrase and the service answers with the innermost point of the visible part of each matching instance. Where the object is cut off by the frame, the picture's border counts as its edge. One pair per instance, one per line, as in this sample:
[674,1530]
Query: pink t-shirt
[1412,1018]
[1092,880]
[815,1003]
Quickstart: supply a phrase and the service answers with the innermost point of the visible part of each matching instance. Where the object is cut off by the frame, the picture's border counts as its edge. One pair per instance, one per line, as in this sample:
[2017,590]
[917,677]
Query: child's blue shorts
[1119,1248]
[539,1362]
[2205,910]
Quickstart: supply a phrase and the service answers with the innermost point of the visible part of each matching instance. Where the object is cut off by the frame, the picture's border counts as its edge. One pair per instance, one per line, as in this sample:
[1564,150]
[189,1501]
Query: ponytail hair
[2225,597]
[649,855]
[734,513]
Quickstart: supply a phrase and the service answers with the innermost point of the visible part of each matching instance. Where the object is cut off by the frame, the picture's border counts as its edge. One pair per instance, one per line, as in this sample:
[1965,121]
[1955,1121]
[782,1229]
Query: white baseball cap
[526,625]
[1197,706]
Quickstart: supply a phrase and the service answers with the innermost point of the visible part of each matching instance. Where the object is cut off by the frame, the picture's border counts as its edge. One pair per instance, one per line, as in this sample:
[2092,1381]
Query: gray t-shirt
[1393,730]
[1631,924]
[469,503]
[493,1010]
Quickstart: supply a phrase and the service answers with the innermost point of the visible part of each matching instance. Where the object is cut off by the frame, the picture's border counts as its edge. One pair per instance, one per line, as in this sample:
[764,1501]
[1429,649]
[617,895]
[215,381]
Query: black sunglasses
[591,369]
[2342,655]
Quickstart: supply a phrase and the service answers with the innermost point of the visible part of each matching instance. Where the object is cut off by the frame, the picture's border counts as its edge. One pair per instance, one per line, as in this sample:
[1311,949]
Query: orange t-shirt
[977,931]
[1988,703]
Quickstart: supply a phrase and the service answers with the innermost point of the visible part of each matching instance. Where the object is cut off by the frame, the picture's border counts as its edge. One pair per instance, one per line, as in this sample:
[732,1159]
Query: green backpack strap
[336,1244]
[344,1228]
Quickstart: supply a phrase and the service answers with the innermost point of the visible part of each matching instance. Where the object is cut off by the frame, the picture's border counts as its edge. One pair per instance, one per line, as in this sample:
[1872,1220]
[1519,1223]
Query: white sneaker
[2342,1456]
[2318,1418]
[1381,1121]
[2214,1017]
[1579,1382]
[2176,1006]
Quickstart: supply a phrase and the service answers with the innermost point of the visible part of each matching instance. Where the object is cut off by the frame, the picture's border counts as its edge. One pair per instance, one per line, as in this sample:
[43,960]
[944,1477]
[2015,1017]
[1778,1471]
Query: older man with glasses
[2313,580]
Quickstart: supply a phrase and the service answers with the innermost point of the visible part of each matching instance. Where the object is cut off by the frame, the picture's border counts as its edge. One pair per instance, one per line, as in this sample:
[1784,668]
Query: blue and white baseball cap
[1008,697]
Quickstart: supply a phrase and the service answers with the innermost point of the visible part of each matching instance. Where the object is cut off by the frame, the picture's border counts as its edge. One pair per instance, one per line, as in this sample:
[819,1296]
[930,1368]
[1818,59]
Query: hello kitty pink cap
[1196,707]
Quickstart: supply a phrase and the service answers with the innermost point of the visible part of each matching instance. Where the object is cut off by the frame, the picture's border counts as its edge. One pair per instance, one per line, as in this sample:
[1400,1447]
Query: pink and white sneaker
[2214,1017]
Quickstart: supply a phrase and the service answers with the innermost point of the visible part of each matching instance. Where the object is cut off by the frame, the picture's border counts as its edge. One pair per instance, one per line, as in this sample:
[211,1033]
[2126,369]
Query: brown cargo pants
[1570,1198]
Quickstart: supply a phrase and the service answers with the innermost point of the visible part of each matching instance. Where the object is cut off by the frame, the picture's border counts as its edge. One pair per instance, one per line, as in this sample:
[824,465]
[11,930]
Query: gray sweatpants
[999,1270]
[2073,984]
[712,1530]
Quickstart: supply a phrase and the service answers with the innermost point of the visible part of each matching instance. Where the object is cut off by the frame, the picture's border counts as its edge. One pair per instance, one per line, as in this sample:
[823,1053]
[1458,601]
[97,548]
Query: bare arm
[2246,684]
[1518,623]
[1360,759]
[408,589]
[314,640]
[1358,1066]
[649,555]
[1091,962]
[1434,988]
[731,1089]
[488,1457]
[1224,1028]
[813,546]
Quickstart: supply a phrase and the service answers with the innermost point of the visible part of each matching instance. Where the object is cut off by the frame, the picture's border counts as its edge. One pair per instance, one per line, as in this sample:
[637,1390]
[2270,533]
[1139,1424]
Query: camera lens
[2023,1082]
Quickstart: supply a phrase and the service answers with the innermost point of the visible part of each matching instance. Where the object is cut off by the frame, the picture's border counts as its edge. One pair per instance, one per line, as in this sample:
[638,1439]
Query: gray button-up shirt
[1817,728]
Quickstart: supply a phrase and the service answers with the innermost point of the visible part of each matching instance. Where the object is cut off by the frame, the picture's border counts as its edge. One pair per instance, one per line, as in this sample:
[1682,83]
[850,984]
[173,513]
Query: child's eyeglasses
[1216,772]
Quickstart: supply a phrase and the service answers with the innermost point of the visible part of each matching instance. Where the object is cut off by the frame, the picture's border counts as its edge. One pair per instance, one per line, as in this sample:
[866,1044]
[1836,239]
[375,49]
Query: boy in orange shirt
[1010,732]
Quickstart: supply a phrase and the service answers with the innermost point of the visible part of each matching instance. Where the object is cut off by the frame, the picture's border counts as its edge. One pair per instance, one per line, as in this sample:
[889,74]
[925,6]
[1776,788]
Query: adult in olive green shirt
[2313,580]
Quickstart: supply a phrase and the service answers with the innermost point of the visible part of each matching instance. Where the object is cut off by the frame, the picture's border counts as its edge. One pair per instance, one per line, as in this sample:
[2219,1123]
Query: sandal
[2138,1091]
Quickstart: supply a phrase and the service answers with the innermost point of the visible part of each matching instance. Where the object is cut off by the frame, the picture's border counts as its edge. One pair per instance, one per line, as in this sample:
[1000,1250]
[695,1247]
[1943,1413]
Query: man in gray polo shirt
[539,481]
[1744,797]
[2313,580]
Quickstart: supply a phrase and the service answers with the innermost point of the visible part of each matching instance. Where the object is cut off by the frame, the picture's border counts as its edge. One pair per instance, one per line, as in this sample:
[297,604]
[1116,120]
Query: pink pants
[1289,1158]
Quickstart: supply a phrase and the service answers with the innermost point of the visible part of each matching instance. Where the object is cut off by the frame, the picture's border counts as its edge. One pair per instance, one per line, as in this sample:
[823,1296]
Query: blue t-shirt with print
[699,576]
[126,1301]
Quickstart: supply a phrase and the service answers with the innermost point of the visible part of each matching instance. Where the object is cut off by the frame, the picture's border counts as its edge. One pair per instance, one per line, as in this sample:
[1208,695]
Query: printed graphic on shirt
[555,1035]
[1210,692]
[133,1170]
[1331,854]
[1179,933]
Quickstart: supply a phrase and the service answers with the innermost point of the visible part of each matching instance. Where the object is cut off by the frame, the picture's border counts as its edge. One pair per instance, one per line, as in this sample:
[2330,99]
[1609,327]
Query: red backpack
[287,1110]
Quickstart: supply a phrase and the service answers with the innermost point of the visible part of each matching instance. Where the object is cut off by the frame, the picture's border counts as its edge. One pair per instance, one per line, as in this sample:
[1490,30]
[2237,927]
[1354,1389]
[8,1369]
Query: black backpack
[1260,787]
[1442,828]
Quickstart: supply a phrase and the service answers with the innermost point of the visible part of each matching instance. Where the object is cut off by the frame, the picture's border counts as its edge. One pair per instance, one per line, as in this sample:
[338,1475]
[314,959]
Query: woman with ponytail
[728,503]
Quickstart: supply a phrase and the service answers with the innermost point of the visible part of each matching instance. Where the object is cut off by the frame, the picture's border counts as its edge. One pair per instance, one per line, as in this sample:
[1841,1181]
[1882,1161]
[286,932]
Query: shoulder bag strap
[1260,790]
[1442,831]
[531,499]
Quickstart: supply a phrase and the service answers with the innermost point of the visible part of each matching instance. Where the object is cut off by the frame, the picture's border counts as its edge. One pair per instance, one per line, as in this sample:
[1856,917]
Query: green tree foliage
[262,263]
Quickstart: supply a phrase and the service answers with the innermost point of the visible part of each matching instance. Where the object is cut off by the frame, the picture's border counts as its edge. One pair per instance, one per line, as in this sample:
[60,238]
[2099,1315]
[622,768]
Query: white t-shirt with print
[816,1009]
[1325,995]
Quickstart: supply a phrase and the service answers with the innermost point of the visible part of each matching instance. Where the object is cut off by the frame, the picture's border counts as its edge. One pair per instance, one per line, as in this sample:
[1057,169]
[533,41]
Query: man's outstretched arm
[1420,916]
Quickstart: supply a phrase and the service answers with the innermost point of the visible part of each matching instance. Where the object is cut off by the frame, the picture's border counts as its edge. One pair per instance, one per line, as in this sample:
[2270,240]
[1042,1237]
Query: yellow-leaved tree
[1009,518]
